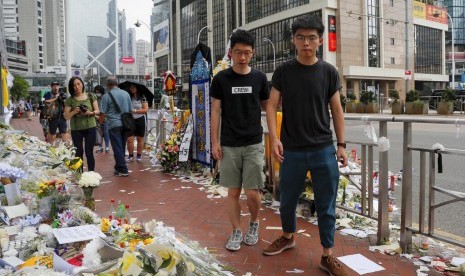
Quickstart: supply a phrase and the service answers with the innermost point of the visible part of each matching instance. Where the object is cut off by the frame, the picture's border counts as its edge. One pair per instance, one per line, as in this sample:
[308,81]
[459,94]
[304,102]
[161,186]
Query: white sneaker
[234,242]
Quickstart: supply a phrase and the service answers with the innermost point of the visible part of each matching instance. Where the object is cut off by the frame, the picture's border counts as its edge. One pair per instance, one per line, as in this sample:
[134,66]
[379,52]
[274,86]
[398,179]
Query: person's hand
[216,151]
[277,150]
[77,110]
[342,156]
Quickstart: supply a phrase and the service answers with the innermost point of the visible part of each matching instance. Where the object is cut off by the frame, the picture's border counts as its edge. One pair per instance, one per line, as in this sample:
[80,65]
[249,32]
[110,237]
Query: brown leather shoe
[333,266]
[279,246]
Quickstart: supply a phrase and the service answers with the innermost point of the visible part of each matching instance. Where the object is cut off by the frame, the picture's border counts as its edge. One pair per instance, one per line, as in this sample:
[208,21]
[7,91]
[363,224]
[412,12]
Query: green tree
[20,89]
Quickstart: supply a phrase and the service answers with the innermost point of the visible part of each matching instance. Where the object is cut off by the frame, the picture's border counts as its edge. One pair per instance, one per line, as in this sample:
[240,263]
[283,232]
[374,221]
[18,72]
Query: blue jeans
[86,137]
[118,143]
[323,167]
[106,137]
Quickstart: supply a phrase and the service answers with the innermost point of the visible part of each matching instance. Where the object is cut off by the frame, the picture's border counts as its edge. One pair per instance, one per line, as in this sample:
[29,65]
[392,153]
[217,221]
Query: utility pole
[407,3]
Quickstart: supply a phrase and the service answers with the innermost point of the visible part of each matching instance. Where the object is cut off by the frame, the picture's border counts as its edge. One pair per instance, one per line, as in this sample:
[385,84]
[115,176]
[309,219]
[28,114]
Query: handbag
[127,120]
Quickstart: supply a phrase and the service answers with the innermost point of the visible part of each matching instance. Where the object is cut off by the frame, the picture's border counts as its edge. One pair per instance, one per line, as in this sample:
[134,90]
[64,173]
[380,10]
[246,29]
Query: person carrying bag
[127,119]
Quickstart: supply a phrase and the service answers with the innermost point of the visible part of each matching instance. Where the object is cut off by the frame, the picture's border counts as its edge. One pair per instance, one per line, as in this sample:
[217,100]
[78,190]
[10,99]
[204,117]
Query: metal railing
[406,227]
[366,182]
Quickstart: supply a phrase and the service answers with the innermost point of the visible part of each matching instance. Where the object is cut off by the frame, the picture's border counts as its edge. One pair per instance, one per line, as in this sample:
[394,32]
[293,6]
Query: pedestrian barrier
[366,181]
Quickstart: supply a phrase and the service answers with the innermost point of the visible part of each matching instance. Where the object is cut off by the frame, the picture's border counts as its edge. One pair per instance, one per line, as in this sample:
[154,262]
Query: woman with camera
[141,106]
[81,109]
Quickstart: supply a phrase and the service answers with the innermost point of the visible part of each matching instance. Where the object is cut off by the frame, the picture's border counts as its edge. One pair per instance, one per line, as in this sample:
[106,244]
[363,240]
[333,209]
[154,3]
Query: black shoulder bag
[129,124]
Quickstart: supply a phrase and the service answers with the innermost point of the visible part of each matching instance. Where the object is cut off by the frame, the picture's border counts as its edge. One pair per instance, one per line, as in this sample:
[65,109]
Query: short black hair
[244,37]
[99,89]
[308,22]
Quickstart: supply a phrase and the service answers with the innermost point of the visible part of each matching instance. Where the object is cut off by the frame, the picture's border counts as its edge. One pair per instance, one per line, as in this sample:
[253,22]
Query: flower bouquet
[8,176]
[75,166]
[168,153]
[88,182]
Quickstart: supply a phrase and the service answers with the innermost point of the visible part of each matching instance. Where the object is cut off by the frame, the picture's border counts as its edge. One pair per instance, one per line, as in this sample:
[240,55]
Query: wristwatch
[344,145]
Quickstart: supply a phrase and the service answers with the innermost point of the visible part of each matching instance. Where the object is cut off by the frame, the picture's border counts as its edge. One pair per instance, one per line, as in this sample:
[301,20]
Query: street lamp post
[274,52]
[138,24]
[453,46]
[198,36]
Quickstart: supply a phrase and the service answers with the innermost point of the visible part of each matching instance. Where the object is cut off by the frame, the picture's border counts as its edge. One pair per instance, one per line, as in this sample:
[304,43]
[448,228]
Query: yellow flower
[343,182]
[105,225]
[127,261]
[148,241]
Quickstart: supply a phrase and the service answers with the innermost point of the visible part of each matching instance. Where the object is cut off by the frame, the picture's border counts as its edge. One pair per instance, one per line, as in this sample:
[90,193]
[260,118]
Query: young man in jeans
[307,85]
[237,94]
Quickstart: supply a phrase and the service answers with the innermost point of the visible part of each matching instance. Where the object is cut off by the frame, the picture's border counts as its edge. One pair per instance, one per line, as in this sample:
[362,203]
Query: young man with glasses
[307,86]
[237,96]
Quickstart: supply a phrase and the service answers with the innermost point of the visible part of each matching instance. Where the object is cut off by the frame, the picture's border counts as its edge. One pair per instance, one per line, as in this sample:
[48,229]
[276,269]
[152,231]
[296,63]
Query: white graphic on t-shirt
[242,90]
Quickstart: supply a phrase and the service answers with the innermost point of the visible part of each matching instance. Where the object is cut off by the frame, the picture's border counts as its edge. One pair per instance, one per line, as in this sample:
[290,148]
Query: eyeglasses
[302,38]
[240,53]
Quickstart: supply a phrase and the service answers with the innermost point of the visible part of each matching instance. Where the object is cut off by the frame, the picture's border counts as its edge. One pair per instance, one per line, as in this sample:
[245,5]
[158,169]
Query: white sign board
[78,233]
[186,141]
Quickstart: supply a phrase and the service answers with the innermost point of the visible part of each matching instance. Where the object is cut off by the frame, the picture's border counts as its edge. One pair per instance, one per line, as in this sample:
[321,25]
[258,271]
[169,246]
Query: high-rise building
[122,36]
[131,40]
[10,19]
[31,25]
[55,32]
[142,56]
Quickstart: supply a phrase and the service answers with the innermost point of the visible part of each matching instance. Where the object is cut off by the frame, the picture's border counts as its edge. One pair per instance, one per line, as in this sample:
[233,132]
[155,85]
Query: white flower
[7,170]
[90,179]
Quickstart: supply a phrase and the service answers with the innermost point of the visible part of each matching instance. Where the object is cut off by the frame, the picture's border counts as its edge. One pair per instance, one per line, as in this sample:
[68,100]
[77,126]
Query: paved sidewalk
[154,195]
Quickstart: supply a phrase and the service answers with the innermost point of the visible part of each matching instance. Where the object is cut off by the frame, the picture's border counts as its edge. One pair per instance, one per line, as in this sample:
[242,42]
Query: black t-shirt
[240,97]
[306,91]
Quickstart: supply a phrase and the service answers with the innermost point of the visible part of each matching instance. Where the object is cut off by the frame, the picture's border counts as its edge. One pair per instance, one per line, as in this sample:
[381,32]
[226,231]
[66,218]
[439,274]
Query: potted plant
[446,105]
[396,104]
[350,102]
[343,101]
[369,100]
[413,105]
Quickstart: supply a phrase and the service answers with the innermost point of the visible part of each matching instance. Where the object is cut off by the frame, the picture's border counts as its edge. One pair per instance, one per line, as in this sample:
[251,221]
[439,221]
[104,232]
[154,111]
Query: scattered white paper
[295,271]
[360,264]
[456,261]
[184,187]
[274,228]
[13,261]
[354,232]
[438,263]
[427,259]
[16,211]
[123,191]
[301,231]
[164,180]
[103,182]
[77,233]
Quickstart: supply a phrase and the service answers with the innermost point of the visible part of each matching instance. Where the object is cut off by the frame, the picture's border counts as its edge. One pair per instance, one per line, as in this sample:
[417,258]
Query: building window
[393,60]
[373,33]
[40,30]
[39,4]
[40,48]
[40,39]
[391,3]
[39,13]
[39,21]
[427,50]
[392,41]
[258,9]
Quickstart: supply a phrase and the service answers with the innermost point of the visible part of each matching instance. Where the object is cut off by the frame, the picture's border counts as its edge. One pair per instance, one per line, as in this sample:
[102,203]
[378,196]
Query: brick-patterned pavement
[154,195]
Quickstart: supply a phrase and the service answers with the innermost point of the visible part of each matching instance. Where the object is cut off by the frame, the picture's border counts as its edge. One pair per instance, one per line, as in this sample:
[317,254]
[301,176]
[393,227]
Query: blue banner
[200,107]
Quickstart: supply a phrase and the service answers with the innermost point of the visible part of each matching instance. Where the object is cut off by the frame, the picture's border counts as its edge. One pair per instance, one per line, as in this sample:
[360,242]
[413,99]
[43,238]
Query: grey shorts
[242,167]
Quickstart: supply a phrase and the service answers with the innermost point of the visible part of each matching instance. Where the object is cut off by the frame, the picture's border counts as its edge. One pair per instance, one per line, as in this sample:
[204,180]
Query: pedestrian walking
[81,109]
[102,129]
[109,114]
[140,107]
[237,95]
[307,85]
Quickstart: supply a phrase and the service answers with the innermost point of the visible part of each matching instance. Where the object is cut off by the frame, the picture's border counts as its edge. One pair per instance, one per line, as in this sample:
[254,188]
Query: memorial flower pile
[90,179]
[168,153]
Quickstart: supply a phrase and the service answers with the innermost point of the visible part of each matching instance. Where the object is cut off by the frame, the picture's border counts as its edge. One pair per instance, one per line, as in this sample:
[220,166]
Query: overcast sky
[137,9]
